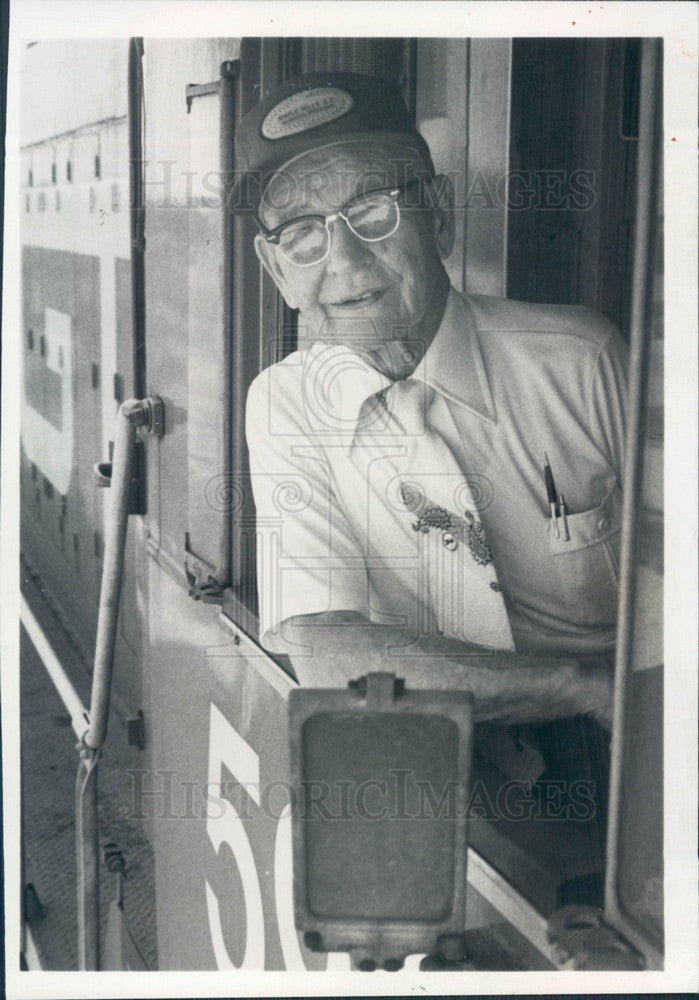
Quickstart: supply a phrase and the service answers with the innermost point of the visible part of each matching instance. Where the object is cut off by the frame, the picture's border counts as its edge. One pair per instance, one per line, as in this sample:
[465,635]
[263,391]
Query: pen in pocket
[563,511]
[552,495]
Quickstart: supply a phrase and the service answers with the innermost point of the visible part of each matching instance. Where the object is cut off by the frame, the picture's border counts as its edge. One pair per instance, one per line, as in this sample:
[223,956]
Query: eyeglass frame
[273,235]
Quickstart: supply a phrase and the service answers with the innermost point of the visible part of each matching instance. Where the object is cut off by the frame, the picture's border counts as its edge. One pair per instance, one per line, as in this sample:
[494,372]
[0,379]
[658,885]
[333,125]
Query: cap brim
[406,148]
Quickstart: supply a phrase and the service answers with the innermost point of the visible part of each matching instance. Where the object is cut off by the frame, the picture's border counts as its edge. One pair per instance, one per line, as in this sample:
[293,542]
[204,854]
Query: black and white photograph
[349,498]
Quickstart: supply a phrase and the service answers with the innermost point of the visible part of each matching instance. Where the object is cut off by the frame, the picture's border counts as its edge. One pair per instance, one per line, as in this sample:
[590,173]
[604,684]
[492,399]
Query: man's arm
[331,648]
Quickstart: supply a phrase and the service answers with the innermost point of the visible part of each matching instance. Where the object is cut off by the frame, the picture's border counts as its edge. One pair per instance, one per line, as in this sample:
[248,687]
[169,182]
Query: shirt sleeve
[308,560]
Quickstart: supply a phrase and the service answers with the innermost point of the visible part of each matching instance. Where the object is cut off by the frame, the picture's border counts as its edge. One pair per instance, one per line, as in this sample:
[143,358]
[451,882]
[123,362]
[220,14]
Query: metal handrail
[641,326]
[132,413]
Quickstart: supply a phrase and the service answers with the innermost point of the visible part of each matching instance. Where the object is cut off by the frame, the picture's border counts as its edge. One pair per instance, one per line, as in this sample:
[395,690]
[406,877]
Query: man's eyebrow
[299,209]
[295,208]
[302,195]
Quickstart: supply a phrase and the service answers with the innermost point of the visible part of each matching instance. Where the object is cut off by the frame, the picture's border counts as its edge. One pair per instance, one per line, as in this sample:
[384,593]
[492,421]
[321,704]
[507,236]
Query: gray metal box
[380,779]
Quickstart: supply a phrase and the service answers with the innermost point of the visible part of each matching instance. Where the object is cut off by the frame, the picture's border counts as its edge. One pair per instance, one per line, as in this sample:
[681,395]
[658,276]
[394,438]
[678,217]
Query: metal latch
[201,577]
[210,591]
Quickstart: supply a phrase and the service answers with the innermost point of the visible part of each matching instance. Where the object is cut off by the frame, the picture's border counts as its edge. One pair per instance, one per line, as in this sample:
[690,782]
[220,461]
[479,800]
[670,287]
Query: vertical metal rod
[130,413]
[646,209]
[112,570]
[87,850]
[228,113]
[137,217]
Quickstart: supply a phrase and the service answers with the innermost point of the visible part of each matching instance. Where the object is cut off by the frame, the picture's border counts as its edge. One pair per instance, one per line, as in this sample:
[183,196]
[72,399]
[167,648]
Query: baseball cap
[312,111]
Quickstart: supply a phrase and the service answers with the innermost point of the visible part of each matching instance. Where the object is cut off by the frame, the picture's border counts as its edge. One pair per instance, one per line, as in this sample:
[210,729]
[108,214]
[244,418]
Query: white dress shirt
[513,380]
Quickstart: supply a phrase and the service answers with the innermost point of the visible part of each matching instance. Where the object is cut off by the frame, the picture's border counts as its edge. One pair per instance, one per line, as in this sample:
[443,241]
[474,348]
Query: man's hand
[329,649]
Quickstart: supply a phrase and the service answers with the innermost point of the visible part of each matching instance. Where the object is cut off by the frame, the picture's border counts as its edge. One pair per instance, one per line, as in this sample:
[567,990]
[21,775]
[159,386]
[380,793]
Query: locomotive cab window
[499,234]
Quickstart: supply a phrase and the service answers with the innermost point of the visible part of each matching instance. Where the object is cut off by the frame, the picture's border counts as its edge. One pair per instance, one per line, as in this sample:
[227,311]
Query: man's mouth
[356,301]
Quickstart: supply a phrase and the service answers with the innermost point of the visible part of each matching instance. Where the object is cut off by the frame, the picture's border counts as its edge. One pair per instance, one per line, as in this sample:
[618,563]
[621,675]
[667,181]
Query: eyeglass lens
[371,217]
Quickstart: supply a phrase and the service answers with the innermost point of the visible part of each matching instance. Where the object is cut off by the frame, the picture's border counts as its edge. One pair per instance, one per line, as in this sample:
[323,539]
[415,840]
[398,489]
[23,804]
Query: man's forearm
[329,650]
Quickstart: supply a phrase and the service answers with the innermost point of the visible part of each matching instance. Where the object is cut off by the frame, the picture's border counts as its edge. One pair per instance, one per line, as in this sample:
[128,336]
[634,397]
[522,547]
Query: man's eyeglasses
[372,217]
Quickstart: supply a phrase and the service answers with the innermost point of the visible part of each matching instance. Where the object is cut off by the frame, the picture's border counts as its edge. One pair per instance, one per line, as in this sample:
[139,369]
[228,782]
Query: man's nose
[347,250]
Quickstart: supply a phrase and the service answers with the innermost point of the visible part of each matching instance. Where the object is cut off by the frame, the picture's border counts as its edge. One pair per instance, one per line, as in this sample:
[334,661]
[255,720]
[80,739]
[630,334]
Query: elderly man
[408,519]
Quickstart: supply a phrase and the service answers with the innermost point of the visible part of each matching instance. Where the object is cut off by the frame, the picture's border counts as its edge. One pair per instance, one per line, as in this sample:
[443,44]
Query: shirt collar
[453,363]
[337,381]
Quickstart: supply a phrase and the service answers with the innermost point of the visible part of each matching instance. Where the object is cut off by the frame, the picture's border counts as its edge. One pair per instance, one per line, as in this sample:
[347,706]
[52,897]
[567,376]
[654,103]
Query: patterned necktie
[426,486]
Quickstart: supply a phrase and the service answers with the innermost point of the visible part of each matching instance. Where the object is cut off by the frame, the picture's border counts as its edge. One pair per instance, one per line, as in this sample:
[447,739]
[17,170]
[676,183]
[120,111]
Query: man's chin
[361,330]
[382,343]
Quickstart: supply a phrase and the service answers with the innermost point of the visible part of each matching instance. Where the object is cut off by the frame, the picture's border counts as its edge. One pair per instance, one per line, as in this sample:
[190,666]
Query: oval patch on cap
[305,110]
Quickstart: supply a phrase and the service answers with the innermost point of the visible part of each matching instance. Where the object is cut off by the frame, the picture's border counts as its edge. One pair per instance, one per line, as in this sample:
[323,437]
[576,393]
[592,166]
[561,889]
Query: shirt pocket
[586,567]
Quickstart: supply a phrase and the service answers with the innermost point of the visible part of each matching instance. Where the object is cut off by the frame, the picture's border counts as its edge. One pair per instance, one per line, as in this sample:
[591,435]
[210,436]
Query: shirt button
[603,524]
[495,586]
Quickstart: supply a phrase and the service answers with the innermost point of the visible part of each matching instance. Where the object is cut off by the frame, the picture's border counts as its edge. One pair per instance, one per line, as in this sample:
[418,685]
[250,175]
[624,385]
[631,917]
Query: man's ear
[443,208]
[268,258]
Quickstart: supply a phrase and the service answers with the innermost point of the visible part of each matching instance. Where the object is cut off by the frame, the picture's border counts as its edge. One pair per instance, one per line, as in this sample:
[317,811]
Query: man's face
[378,298]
